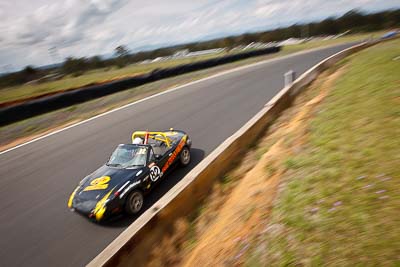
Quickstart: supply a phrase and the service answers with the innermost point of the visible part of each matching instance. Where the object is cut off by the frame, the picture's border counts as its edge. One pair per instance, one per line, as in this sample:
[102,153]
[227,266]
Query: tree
[351,20]
[328,26]
[121,51]
[122,54]
[29,71]
[74,66]
[96,62]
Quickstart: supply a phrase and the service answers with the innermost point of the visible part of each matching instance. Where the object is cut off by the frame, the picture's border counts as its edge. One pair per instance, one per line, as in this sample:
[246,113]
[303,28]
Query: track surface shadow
[171,179]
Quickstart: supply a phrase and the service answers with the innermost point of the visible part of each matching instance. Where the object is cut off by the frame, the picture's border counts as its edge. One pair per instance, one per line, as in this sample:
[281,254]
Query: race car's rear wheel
[134,202]
[185,156]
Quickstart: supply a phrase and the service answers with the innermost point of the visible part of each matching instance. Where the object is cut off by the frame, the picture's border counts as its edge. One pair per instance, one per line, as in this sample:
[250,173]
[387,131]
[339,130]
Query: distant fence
[46,104]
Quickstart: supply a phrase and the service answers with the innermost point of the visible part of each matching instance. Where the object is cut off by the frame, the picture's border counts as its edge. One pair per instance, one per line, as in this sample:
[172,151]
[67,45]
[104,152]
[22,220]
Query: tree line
[354,21]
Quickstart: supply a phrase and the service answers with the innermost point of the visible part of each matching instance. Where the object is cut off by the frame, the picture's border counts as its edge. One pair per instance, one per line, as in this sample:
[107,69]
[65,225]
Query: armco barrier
[17,112]
[132,247]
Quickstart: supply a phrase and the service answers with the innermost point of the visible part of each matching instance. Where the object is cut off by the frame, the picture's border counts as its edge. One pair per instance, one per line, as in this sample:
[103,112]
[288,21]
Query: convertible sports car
[131,172]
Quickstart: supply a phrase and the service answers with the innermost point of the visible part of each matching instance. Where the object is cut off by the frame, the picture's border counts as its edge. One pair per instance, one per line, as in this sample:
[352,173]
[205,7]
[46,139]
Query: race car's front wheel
[185,156]
[134,202]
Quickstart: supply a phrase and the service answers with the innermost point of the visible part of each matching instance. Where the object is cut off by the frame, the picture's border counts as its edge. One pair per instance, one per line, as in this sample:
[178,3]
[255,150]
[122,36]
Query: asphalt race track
[36,227]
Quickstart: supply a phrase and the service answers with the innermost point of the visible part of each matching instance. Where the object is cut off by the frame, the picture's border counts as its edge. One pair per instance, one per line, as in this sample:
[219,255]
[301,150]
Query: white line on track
[166,92]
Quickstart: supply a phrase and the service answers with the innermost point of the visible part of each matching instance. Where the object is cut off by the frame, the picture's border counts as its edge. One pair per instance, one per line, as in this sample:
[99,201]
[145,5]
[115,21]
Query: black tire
[134,202]
[185,157]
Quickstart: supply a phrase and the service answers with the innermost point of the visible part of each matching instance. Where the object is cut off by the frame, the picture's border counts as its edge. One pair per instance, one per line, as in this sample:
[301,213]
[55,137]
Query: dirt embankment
[241,213]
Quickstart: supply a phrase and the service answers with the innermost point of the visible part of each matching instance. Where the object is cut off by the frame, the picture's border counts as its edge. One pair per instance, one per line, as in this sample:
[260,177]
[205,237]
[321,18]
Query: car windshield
[126,156]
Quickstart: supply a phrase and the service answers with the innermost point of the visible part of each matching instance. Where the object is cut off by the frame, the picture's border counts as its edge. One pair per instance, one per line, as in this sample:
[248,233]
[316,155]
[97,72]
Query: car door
[154,165]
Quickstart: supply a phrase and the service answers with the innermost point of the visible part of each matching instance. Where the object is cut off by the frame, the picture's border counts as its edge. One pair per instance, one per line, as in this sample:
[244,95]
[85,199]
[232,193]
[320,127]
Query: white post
[290,76]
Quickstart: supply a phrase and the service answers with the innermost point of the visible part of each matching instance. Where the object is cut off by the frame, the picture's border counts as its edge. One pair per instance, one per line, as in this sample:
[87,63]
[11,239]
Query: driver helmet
[137,141]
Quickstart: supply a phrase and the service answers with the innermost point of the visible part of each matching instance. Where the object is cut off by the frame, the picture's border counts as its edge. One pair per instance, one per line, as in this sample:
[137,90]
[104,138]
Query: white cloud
[28,29]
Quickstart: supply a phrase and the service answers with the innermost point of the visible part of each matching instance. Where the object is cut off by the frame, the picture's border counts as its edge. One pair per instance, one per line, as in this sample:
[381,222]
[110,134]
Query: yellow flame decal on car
[101,206]
[71,198]
[100,183]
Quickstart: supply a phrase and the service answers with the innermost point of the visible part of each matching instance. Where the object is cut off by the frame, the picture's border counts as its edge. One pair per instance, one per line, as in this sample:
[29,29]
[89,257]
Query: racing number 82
[155,173]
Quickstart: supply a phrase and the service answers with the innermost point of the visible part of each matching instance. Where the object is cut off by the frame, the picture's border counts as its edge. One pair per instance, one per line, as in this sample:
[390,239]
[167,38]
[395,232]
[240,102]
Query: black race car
[131,172]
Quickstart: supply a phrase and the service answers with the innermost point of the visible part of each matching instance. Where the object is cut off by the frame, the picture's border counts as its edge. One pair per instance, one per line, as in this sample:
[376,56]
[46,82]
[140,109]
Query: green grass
[340,201]
[343,39]
[91,77]
[101,75]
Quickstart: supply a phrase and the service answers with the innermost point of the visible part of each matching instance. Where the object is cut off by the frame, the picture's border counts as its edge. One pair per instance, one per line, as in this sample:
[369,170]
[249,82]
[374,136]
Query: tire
[185,156]
[134,202]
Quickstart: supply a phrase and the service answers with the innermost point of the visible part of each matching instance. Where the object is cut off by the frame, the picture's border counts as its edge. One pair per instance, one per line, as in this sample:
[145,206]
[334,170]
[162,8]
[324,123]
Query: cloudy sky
[40,32]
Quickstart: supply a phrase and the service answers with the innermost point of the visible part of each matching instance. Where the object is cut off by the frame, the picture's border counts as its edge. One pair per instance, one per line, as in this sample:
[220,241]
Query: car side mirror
[157,157]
